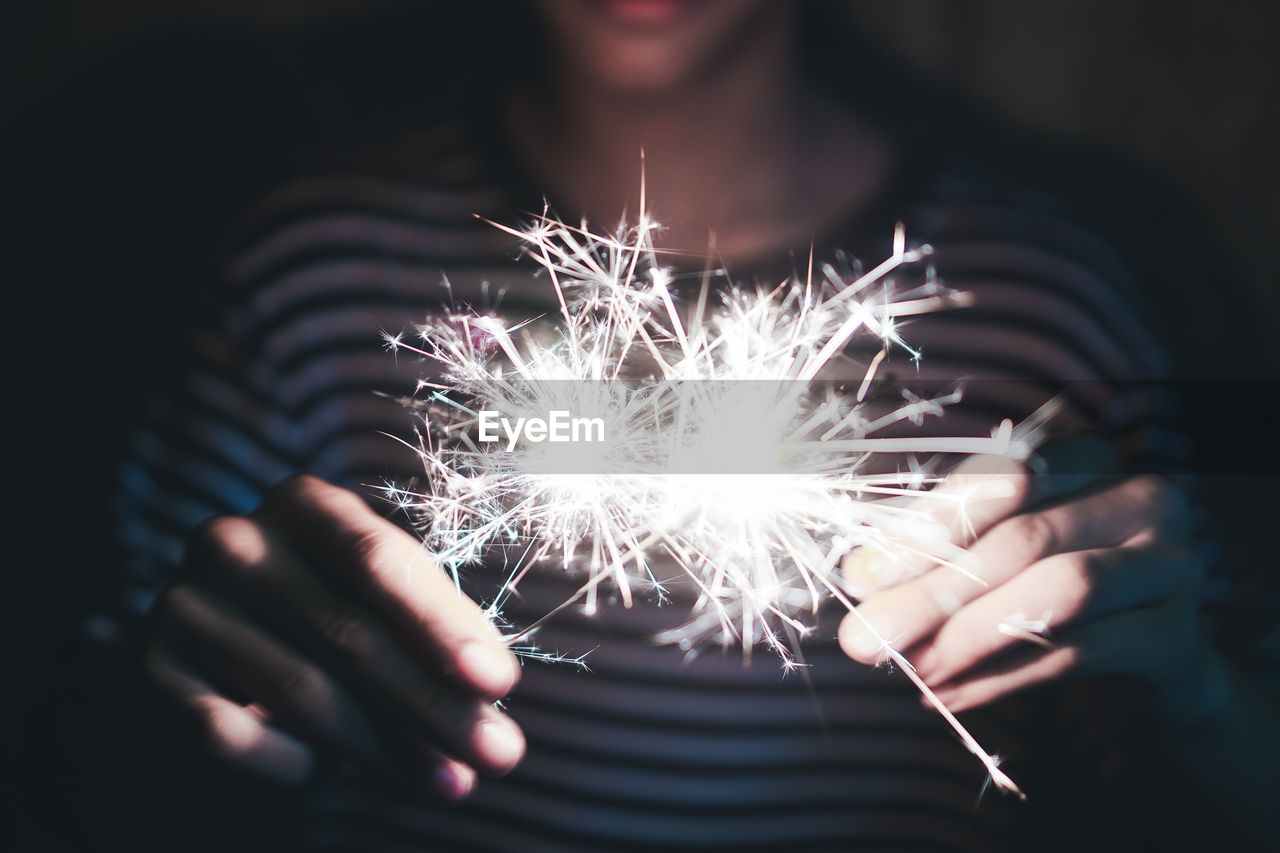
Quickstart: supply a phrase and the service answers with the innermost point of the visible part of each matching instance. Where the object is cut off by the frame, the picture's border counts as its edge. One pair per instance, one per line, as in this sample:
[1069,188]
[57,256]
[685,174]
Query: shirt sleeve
[210,445]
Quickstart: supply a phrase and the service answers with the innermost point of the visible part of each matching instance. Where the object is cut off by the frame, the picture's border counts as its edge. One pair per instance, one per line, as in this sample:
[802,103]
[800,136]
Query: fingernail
[859,641]
[500,743]
[491,669]
[864,569]
[856,562]
[453,782]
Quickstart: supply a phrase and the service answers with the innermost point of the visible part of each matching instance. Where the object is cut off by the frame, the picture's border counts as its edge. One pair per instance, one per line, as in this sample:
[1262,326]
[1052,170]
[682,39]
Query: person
[300,623]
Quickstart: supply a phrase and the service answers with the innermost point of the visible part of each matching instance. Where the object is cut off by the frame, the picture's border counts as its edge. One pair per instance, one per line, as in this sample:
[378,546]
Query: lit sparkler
[684,397]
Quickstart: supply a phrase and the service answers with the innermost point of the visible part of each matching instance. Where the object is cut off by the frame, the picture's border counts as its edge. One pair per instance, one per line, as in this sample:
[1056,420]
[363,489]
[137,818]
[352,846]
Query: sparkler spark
[725,455]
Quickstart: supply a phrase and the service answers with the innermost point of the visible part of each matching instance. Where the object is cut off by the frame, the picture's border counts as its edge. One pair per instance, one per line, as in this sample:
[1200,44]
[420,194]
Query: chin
[640,72]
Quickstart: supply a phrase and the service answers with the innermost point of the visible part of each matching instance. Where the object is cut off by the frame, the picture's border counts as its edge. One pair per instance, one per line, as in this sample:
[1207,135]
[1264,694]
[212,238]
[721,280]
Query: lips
[646,12]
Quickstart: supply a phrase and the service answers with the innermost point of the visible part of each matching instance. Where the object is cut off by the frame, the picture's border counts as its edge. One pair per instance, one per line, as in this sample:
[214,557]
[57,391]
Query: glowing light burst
[724,459]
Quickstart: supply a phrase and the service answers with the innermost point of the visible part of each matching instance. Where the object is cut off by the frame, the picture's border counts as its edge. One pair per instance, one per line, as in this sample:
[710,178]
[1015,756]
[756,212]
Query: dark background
[137,130]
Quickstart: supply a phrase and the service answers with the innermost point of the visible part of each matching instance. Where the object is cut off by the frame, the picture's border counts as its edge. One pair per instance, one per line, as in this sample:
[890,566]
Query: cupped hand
[1079,572]
[314,626]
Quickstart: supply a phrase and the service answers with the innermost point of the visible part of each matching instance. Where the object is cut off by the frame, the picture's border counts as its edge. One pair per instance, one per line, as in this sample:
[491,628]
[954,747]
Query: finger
[1030,669]
[1061,590]
[243,660]
[348,639]
[453,781]
[980,493]
[912,611]
[237,735]
[392,570]
[243,736]
[450,779]
[1120,644]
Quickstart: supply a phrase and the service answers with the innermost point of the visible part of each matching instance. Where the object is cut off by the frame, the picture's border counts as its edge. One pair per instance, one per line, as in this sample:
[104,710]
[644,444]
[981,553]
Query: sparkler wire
[690,404]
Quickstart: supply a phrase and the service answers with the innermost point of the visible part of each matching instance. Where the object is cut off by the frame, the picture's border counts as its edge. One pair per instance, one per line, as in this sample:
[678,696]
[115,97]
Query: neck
[744,151]
[717,144]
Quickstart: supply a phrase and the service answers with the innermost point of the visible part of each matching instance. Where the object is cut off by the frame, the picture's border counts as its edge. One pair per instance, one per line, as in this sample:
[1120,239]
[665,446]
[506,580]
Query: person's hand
[314,626]
[1079,573]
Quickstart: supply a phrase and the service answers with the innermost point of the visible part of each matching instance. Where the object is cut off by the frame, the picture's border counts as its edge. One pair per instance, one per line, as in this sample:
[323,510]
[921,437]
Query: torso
[648,749]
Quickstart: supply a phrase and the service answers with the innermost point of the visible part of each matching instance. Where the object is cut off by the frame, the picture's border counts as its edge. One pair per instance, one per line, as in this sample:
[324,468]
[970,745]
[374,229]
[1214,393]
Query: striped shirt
[646,750]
